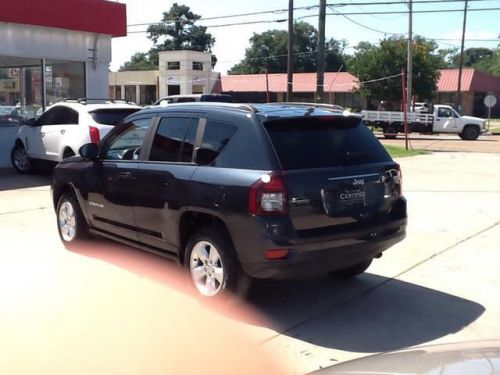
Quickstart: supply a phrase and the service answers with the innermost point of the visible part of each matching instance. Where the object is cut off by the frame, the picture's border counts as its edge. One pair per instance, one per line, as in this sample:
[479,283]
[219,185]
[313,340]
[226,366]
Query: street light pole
[289,69]
[460,68]
[409,68]
[320,78]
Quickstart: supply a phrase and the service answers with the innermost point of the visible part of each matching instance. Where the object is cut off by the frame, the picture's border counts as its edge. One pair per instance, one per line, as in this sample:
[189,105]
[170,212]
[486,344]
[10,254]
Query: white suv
[63,128]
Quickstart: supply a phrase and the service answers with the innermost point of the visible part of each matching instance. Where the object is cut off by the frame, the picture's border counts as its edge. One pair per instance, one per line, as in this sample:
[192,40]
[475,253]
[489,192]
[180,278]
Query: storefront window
[22,92]
[64,79]
[130,93]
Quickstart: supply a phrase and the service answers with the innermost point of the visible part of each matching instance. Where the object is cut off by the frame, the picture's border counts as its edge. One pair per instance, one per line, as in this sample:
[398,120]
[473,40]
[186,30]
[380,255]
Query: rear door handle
[42,134]
[63,131]
[125,176]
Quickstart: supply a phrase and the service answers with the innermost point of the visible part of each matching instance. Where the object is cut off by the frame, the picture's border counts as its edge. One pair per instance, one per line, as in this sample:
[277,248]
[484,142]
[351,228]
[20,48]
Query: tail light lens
[268,196]
[400,180]
[95,137]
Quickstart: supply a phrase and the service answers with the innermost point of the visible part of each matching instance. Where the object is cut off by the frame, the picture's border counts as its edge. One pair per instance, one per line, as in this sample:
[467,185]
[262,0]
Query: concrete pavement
[111,307]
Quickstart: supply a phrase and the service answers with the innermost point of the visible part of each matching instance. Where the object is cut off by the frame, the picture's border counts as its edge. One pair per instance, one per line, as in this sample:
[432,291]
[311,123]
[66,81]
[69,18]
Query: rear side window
[217,134]
[111,116]
[174,140]
[306,143]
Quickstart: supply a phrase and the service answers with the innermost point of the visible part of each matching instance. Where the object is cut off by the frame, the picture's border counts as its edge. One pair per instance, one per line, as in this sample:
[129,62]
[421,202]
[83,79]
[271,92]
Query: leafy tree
[472,56]
[269,50]
[490,64]
[139,61]
[176,31]
[372,62]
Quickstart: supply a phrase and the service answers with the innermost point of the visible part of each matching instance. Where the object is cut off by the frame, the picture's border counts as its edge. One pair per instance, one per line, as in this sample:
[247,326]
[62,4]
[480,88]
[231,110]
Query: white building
[180,72]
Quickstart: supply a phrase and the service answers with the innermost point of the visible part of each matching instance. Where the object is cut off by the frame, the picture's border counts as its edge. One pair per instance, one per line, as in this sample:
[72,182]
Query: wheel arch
[191,221]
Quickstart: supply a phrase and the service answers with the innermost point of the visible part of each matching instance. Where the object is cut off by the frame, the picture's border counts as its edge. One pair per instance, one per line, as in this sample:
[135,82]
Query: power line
[310,7]
[344,14]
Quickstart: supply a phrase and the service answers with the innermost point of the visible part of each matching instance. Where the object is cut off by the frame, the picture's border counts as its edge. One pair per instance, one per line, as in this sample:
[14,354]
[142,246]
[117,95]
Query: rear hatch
[337,175]
[107,118]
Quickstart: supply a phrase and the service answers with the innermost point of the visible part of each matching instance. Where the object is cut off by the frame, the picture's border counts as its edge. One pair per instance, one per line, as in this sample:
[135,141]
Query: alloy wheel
[67,221]
[207,268]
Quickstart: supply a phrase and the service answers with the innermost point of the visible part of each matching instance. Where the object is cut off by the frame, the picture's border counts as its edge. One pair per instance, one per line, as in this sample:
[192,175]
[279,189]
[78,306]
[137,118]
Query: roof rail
[325,106]
[105,100]
[244,106]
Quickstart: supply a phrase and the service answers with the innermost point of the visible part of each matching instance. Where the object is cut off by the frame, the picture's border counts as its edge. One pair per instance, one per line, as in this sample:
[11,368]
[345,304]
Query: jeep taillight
[95,137]
[268,196]
[399,180]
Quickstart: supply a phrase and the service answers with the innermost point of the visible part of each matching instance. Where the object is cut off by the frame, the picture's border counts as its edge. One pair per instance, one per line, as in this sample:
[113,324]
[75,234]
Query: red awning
[95,16]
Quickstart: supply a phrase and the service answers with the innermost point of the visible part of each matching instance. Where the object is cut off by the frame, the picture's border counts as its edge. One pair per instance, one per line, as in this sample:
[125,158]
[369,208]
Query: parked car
[173,99]
[63,128]
[10,116]
[235,192]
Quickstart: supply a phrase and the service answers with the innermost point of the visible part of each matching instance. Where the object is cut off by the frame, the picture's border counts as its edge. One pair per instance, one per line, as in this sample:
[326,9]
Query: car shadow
[11,180]
[368,314]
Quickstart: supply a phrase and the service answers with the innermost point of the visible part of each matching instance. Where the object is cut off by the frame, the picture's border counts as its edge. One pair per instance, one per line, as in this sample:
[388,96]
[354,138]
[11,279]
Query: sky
[231,41]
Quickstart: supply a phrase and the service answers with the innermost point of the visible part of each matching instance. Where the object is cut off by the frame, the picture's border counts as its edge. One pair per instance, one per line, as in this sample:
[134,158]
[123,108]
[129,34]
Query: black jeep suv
[235,191]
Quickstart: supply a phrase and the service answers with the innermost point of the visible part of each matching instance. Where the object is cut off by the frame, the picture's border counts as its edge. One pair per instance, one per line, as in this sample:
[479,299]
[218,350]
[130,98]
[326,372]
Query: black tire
[352,271]
[233,279]
[390,132]
[70,231]
[20,160]
[470,133]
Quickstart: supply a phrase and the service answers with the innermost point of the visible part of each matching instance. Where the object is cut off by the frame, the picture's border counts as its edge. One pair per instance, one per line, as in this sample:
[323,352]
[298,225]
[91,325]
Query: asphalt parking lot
[113,309]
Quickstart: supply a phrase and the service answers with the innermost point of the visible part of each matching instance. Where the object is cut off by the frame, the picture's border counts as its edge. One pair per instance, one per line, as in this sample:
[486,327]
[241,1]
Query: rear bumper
[309,260]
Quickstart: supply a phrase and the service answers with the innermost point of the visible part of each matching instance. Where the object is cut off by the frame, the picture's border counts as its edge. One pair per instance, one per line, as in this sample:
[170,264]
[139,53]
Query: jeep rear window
[317,142]
[111,116]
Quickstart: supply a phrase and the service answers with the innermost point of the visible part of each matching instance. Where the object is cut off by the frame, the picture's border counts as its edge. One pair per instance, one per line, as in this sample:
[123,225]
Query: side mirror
[89,151]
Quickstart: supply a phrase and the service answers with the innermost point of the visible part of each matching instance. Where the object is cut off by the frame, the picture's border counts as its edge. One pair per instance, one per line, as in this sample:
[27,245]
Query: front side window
[445,112]
[127,140]
[174,140]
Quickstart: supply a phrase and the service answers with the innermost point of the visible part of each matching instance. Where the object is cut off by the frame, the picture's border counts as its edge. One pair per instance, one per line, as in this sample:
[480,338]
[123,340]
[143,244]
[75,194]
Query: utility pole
[459,86]
[289,69]
[320,78]
[409,69]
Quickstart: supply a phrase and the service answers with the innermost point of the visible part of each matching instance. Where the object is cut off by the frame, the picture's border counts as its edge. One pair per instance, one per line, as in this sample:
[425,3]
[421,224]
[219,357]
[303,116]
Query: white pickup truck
[443,119]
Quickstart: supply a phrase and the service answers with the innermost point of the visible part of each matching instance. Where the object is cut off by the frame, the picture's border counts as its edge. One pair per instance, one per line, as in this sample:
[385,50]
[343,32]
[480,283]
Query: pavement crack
[370,289]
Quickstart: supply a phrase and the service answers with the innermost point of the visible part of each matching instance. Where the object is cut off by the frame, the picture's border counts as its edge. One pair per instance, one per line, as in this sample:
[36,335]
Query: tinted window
[174,140]
[186,99]
[111,116]
[316,143]
[216,136]
[58,116]
[127,140]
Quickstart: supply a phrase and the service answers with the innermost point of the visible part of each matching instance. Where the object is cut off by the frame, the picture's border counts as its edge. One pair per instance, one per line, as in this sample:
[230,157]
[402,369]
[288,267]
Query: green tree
[472,56]
[139,61]
[176,31]
[372,62]
[269,50]
[490,64]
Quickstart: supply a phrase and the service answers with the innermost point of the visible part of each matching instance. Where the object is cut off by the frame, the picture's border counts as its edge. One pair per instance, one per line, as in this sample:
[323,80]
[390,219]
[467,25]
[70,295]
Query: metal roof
[302,82]
[472,80]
